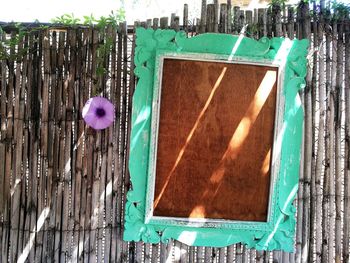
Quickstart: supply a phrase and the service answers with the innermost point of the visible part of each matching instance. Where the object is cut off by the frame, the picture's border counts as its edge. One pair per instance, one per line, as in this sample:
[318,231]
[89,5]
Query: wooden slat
[24,146]
[46,137]
[346,229]
[165,252]
[60,115]
[102,159]
[3,181]
[84,94]
[110,160]
[3,100]
[123,135]
[118,176]
[223,18]
[53,151]
[229,16]
[185,18]
[321,142]
[203,21]
[94,158]
[9,150]
[328,163]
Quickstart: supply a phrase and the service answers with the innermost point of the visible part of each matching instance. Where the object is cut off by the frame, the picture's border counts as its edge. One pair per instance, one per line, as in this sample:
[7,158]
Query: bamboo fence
[63,185]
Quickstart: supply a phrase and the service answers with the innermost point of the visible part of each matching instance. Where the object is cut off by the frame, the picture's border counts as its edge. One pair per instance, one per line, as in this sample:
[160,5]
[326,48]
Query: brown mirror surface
[216,129]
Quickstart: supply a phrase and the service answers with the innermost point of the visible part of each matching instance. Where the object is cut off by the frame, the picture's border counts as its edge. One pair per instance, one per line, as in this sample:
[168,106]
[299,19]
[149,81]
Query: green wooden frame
[290,57]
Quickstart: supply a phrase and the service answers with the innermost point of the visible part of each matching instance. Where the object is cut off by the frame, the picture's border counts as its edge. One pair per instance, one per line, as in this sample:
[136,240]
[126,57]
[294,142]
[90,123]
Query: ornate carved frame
[290,57]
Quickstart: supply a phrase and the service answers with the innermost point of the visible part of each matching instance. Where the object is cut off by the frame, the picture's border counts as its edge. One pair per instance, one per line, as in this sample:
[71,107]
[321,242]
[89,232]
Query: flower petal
[90,116]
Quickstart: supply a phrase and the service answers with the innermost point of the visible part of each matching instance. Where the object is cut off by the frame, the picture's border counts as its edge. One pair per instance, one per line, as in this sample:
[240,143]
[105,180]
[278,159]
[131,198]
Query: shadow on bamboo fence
[63,185]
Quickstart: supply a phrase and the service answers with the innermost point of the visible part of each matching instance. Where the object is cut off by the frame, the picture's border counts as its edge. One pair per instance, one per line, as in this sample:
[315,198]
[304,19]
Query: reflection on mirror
[216,123]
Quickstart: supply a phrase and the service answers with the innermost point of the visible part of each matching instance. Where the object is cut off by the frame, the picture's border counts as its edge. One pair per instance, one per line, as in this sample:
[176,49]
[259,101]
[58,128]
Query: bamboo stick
[3,99]
[2,184]
[39,171]
[231,253]
[148,253]
[241,21]
[208,254]
[328,162]
[155,252]
[308,143]
[172,20]
[95,158]
[346,229]
[222,254]
[260,256]
[216,15]
[1,223]
[249,22]
[176,23]
[277,20]
[42,155]
[33,113]
[52,151]
[245,254]
[17,178]
[125,121]
[223,18]
[229,16]
[236,12]
[299,206]
[165,252]
[164,21]
[284,20]
[27,147]
[200,255]
[338,142]
[185,18]
[332,136]
[46,136]
[83,235]
[116,240]
[262,22]
[277,256]
[71,155]
[65,158]
[203,21]
[5,235]
[210,18]
[321,140]
[269,22]
[239,253]
[315,135]
[101,166]
[110,160]
[9,159]
[155,23]
[77,137]
[290,25]
[149,23]
[4,145]
[59,143]
[192,253]
[139,252]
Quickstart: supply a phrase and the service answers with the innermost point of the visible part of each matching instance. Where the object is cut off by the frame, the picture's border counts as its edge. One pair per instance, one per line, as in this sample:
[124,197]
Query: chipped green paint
[278,232]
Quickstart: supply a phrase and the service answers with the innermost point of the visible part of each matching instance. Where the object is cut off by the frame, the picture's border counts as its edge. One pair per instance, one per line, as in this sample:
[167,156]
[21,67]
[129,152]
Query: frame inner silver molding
[276,147]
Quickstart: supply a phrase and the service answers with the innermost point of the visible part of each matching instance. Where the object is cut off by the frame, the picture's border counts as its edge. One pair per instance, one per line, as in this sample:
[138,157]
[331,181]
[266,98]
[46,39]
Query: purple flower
[98,113]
